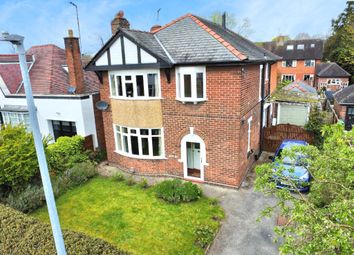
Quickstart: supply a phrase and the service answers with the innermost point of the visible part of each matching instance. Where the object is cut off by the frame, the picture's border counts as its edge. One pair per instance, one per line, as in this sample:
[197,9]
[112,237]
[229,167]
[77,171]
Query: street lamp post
[17,41]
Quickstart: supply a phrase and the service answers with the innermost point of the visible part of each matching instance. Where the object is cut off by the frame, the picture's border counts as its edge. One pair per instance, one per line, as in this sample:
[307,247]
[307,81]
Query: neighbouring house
[64,94]
[299,60]
[292,104]
[185,99]
[331,77]
[344,106]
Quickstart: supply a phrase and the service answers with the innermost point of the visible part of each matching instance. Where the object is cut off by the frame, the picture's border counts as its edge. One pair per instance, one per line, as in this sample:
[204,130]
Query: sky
[47,21]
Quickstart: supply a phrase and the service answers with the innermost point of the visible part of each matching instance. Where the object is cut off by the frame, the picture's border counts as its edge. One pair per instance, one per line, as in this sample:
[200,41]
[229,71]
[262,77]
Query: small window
[190,84]
[289,63]
[113,86]
[140,85]
[129,91]
[152,84]
[119,85]
[312,45]
[300,46]
[288,77]
[309,62]
[63,128]
[289,47]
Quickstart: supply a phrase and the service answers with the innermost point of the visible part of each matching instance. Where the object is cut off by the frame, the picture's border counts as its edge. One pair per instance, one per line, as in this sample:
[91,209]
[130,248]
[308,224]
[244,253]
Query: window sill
[139,157]
[136,98]
[192,100]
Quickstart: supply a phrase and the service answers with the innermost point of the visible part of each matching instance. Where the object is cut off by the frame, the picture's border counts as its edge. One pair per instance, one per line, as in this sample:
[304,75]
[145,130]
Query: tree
[18,159]
[302,36]
[339,47]
[321,222]
[242,27]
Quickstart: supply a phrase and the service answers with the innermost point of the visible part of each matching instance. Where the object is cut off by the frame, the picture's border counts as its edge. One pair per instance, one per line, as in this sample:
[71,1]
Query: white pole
[48,191]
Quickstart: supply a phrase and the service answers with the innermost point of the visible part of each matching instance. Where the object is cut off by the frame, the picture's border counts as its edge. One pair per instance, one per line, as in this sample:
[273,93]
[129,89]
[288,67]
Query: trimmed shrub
[118,176]
[22,235]
[65,153]
[176,191]
[27,200]
[204,235]
[18,159]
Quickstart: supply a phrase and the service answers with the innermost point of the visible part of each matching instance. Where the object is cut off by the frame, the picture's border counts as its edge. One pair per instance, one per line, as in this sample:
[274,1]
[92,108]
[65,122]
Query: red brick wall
[340,110]
[232,95]
[299,71]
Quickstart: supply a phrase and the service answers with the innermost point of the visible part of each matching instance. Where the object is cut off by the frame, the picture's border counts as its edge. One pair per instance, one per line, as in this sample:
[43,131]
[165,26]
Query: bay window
[191,84]
[139,142]
[135,84]
[16,118]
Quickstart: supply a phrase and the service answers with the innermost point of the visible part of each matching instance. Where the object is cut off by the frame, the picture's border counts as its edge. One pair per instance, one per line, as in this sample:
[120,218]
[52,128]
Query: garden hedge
[21,234]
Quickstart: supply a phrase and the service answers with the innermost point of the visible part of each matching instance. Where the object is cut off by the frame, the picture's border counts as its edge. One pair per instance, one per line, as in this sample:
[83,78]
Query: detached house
[185,99]
[344,106]
[299,60]
[331,77]
[64,93]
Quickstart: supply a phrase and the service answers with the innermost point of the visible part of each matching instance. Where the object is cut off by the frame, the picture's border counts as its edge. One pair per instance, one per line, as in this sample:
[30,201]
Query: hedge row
[22,235]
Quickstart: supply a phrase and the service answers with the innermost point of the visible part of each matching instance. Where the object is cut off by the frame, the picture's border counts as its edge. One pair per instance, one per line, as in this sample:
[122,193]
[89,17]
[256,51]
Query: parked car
[294,169]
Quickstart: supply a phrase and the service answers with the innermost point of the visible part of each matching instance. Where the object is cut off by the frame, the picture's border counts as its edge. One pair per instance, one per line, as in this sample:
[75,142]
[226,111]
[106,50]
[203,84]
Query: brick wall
[233,96]
[323,82]
[299,71]
[340,110]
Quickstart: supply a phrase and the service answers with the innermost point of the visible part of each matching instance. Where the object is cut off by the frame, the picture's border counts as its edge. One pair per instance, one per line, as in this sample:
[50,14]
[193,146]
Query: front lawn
[133,218]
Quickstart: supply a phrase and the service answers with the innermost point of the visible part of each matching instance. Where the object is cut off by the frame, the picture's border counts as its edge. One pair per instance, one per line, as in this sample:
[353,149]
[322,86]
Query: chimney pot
[119,22]
[70,33]
[155,28]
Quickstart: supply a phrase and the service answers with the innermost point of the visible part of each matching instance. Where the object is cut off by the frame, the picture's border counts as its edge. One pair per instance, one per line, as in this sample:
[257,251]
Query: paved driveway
[240,233]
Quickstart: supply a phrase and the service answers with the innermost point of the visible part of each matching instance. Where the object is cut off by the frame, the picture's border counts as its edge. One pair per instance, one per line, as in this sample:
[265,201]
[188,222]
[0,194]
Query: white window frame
[283,75]
[300,46]
[290,47]
[139,136]
[266,72]
[312,62]
[192,71]
[293,63]
[133,74]
[249,121]
[310,75]
[312,45]
[19,119]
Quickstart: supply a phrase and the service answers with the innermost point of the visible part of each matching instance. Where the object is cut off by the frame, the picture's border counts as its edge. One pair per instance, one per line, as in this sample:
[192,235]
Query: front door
[193,160]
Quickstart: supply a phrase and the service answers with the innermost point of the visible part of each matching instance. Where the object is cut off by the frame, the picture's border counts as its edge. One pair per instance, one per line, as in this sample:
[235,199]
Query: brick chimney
[154,28]
[119,22]
[73,60]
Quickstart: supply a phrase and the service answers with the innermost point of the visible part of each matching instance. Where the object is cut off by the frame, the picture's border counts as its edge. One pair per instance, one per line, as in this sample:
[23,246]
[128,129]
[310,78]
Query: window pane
[119,141]
[156,146]
[125,144]
[156,131]
[129,89]
[145,145]
[144,131]
[135,145]
[128,78]
[119,85]
[133,131]
[187,85]
[124,130]
[140,85]
[152,84]
[200,85]
[113,86]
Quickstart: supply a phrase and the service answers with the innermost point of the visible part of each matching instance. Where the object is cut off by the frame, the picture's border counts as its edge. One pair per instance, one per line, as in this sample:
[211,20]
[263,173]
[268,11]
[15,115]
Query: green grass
[134,219]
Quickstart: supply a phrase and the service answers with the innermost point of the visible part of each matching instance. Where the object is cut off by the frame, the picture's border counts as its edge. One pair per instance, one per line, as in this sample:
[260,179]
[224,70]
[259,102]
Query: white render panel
[131,52]
[103,60]
[80,111]
[146,57]
[116,53]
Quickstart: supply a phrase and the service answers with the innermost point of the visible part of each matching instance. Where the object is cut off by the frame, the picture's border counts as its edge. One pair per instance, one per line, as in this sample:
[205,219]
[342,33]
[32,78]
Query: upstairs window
[288,77]
[139,142]
[289,63]
[309,62]
[312,45]
[300,46]
[289,47]
[139,84]
[191,84]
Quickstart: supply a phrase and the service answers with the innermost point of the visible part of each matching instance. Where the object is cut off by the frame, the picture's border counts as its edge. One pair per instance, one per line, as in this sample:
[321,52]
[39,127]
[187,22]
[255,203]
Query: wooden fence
[273,136]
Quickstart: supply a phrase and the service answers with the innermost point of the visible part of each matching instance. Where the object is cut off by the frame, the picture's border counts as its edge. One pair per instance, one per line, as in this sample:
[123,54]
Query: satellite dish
[71,90]
[101,105]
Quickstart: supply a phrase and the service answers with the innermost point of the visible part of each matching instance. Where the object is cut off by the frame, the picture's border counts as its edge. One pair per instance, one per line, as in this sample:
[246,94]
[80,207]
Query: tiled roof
[280,49]
[47,73]
[301,87]
[331,70]
[297,92]
[345,95]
